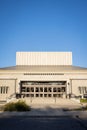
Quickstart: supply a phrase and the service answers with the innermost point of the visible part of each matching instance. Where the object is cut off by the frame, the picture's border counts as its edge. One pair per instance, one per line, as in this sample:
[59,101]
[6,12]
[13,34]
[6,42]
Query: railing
[12,95]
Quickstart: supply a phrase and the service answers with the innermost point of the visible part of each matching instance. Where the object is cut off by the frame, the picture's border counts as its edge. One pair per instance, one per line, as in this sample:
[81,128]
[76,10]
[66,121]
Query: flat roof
[43,69]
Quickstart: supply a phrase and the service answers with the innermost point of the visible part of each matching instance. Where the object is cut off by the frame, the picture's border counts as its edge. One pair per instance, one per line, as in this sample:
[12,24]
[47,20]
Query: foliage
[85,108]
[18,106]
[83,100]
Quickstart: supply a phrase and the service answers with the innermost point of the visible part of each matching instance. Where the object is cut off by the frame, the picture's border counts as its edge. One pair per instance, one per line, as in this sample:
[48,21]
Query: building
[44,75]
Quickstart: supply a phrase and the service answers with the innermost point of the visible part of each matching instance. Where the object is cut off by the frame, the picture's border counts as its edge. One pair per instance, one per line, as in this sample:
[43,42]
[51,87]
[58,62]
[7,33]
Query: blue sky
[43,25]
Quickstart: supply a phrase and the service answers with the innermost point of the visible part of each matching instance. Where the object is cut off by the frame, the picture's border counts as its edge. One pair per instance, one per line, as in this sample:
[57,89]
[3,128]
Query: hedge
[18,106]
[83,100]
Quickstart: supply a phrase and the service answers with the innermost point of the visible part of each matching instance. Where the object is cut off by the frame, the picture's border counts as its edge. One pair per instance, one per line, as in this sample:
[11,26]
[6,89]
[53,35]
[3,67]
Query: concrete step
[3,101]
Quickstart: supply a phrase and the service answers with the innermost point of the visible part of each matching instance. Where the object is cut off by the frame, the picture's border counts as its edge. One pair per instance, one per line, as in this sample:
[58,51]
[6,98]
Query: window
[41,95]
[49,89]
[23,89]
[28,89]
[41,89]
[54,89]
[37,95]
[32,89]
[63,89]
[49,95]
[37,89]
[82,89]
[45,95]
[54,95]
[45,89]
[32,95]
[4,89]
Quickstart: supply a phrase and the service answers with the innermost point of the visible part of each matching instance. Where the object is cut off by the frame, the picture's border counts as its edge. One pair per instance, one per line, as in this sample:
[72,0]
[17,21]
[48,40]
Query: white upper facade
[43,58]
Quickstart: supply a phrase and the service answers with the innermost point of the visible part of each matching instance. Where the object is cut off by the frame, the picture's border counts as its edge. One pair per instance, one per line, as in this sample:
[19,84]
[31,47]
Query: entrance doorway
[43,89]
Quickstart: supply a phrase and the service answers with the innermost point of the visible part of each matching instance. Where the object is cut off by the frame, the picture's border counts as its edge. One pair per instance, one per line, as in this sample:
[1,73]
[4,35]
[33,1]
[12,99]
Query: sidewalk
[46,112]
[52,110]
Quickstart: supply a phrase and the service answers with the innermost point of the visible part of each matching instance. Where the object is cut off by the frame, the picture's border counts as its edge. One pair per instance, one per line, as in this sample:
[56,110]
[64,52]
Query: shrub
[83,100]
[18,106]
[85,108]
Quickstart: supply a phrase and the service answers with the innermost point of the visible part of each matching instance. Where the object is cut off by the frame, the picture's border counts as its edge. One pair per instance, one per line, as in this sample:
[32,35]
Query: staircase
[11,98]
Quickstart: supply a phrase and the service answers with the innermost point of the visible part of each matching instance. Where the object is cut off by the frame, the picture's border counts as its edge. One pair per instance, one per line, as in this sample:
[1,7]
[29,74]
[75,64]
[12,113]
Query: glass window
[27,95]
[58,89]
[45,89]
[41,89]
[32,95]
[49,89]
[32,89]
[41,95]
[54,95]
[49,95]
[1,89]
[23,89]
[45,95]
[54,89]
[6,89]
[28,89]
[37,95]
[37,89]
[82,89]
[63,89]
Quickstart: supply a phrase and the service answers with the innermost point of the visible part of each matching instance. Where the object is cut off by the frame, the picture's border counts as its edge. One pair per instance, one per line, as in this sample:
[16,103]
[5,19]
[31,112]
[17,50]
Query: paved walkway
[46,113]
[50,110]
[61,104]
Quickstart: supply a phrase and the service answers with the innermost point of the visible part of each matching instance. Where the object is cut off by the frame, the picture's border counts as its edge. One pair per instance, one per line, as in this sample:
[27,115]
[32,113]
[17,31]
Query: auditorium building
[41,75]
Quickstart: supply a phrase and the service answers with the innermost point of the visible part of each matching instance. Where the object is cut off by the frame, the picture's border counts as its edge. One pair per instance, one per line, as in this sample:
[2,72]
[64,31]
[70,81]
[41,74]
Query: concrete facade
[43,81]
[44,58]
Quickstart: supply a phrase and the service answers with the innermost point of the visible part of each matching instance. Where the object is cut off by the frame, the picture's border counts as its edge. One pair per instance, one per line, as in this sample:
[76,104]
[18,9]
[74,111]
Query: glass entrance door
[43,89]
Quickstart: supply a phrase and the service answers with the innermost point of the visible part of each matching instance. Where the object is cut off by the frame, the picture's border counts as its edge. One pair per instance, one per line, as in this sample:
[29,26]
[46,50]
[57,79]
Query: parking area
[55,123]
[46,117]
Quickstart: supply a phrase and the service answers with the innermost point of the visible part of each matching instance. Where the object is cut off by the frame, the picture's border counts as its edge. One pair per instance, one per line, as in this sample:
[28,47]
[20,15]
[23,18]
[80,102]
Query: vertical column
[26,92]
[38,91]
[67,89]
[43,90]
[0,90]
[52,92]
[34,91]
[18,89]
